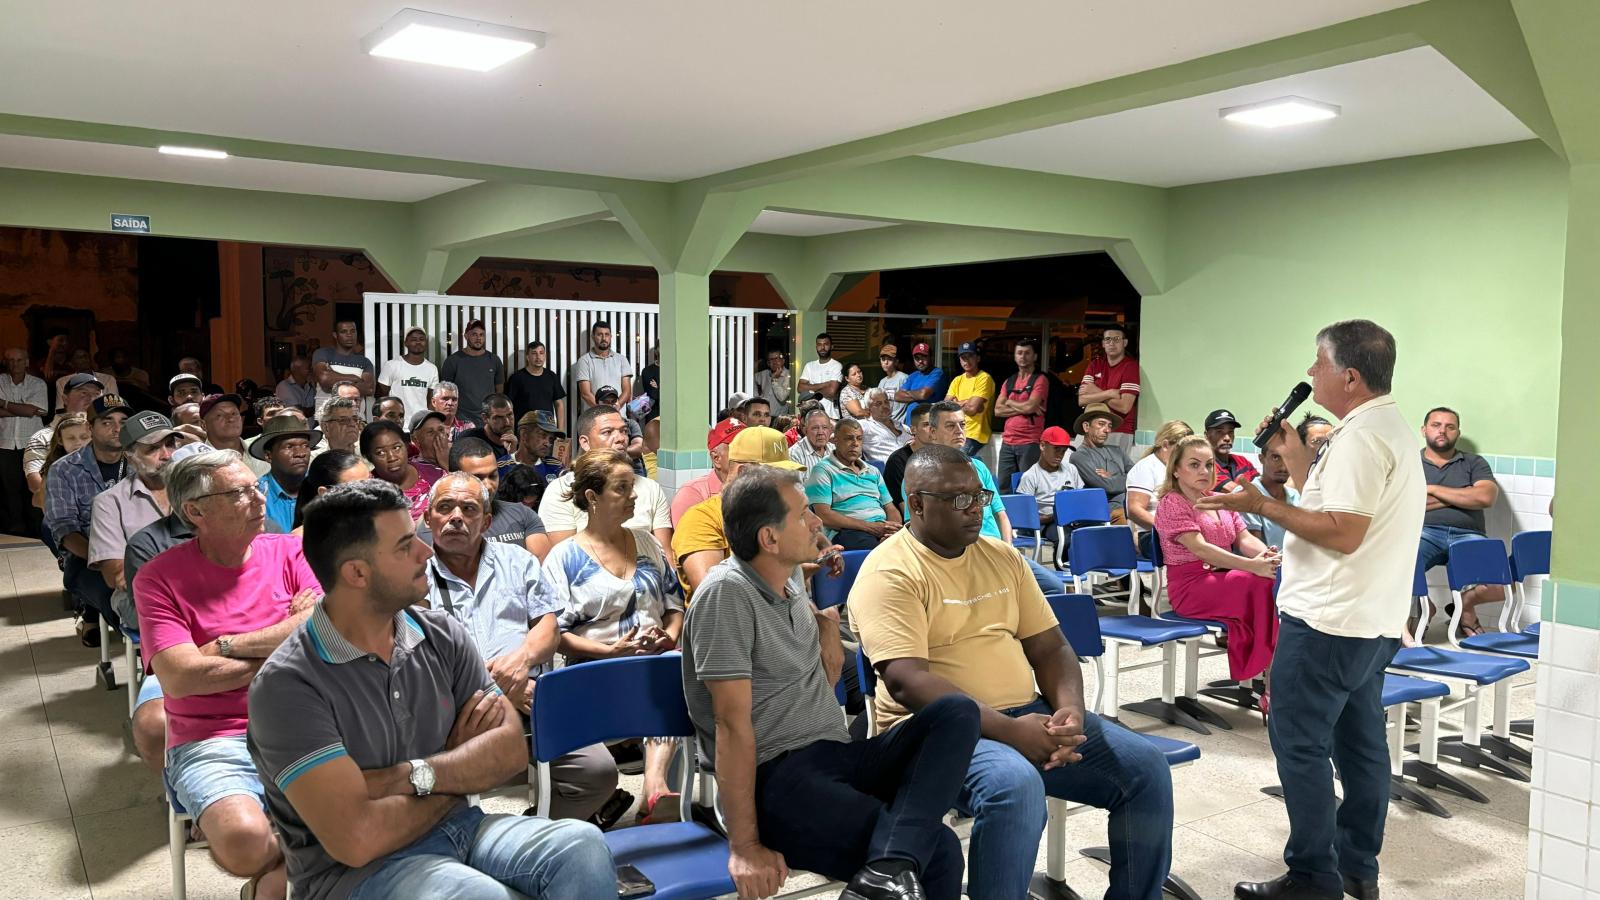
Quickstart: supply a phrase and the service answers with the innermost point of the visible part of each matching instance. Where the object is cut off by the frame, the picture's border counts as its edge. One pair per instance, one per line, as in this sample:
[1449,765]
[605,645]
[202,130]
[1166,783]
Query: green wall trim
[683,460]
[1574,603]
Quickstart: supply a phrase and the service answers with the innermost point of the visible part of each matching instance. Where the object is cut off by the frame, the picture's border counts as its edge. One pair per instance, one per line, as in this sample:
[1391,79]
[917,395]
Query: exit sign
[134,224]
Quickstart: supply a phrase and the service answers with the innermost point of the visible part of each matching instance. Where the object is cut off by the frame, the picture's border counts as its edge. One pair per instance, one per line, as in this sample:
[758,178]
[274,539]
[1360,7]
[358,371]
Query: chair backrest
[1016,479]
[1022,510]
[1080,622]
[1157,558]
[827,590]
[1101,547]
[1477,561]
[866,676]
[609,699]
[1083,505]
[1419,583]
[1530,554]
[876,464]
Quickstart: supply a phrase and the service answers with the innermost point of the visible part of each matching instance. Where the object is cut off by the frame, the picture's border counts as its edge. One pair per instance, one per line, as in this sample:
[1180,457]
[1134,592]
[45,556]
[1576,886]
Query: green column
[685,387]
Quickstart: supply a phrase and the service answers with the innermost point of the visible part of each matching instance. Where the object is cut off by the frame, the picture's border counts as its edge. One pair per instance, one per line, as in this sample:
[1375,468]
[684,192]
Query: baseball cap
[82,378]
[415,329]
[921,350]
[423,416]
[106,404]
[606,394]
[173,382]
[194,449]
[739,399]
[765,446]
[145,428]
[967,347]
[210,403]
[1056,436]
[542,419]
[475,323]
[1221,417]
[722,433]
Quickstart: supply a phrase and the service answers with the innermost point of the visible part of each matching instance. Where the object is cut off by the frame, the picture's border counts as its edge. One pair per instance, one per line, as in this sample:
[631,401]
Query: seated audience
[709,484]
[384,445]
[601,428]
[816,442]
[445,398]
[211,610]
[499,429]
[942,609]
[1274,482]
[70,490]
[853,393]
[883,433]
[68,435]
[1205,578]
[756,413]
[1314,431]
[332,744]
[332,468]
[298,389]
[848,495]
[222,416]
[523,485]
[183,389]
[187,414]
[499,596]
[341,425]
[538,433]
[894,470]
[1146,476]
[1232,470]
[1049,475]
[617,591]
[391,408]
[1100,464]
[431,437]
[1460,487]
[286,446]
[759,665]
[505,523]
[698,541]
[609,396]
[121,511]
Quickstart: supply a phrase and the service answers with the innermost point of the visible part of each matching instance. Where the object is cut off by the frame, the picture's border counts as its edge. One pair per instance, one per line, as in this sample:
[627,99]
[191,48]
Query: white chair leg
[176,840]
[1502,708]
[1472,717]
[1169,669]
[1055,836]
[1397,737]
[1191,668]
[1113,667]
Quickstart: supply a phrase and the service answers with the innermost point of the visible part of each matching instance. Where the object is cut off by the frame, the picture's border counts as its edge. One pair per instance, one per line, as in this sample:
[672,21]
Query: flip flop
[648,812]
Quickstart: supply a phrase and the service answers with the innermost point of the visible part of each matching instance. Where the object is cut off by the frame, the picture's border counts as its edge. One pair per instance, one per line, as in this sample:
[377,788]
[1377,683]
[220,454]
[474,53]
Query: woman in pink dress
[1205,578]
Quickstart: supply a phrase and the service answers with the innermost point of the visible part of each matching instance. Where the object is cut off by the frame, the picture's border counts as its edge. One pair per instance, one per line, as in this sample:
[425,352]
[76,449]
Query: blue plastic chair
[643,698]
[876,464]
[1016,481]
[1082,506]
[1483,561]
[1023,511]
[131,658]
[1105,550]
[1530,555]
[827,590]
[1234,693]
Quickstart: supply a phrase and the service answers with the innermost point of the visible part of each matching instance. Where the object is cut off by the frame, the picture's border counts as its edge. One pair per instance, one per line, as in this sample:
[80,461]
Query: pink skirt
[1241,599]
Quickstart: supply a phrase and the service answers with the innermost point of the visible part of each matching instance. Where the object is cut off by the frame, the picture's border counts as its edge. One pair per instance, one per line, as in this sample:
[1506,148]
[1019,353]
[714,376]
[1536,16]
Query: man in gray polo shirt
[758,674]
[372,723]
[601,368]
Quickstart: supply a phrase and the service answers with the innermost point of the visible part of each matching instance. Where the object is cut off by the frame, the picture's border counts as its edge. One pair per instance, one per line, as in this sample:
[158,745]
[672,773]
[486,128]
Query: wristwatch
[225,645]
[421,777]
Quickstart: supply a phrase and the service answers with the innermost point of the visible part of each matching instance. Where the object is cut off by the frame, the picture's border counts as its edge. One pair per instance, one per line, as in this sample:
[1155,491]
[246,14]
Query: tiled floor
[80,817]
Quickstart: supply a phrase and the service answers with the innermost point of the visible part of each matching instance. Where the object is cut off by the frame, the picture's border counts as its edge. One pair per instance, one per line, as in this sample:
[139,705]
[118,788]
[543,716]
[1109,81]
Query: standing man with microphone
[1347,571]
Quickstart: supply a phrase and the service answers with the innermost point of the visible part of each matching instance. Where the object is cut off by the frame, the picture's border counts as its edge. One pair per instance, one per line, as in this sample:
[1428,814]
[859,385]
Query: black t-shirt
[110,473]
[894,474]
[651,378]
[530,393]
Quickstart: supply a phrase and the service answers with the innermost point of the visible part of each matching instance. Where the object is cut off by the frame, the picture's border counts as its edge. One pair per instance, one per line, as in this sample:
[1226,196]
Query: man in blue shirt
[923,384]
[285,445]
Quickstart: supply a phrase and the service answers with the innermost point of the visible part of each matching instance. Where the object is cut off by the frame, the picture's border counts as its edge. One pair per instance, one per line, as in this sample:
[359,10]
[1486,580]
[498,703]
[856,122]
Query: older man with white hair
[884,433]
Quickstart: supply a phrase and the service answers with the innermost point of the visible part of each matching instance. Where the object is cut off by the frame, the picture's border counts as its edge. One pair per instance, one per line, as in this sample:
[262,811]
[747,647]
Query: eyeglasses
[236,496]
[885,356]
[961,502]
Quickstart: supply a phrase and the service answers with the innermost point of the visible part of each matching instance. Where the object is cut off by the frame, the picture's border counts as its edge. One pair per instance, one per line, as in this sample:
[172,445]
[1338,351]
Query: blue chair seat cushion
[1523,645]
[1147,631]
[1474,667]
[1399,689]
[1532,629]
[685,860]
[1177,752]
[1210,624]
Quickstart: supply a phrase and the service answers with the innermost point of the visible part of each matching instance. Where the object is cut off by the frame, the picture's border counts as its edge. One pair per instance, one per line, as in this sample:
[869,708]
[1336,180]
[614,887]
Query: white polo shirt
[1371,467]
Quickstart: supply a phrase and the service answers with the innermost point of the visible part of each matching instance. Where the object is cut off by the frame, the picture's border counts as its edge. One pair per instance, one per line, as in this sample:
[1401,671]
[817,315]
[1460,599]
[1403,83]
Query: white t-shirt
[1370,467]
[409,382]
[1043,485]
[1146,475]
[817,372]
[878,441]
[650,507]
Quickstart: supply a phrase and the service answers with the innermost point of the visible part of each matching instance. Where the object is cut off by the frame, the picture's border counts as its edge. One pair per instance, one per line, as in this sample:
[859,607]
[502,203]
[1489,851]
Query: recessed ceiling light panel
[197,152]
[1280,112]
[441,40]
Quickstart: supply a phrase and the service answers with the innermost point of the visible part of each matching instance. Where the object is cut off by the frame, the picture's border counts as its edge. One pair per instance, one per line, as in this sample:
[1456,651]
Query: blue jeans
[472,856]
[1120,771]
[1049,581]
[971,447]
[1434,550]
[1327,704]
[90,589]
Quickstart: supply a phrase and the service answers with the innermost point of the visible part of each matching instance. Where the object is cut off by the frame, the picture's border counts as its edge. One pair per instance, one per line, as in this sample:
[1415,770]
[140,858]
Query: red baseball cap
[1056,436]
[722,433]
[921,350]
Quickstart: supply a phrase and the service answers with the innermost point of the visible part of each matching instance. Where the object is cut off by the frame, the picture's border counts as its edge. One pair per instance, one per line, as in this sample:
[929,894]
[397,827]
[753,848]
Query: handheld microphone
[1284,410]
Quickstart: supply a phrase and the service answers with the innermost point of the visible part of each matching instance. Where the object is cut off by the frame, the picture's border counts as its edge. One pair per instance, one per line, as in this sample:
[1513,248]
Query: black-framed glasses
[961,502]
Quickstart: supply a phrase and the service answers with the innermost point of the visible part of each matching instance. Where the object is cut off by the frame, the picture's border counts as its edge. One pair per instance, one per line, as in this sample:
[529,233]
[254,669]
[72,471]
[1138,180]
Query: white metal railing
[563,325]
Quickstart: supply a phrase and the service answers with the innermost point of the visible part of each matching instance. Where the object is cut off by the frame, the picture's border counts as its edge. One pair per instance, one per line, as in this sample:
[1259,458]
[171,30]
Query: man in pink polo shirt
[709,484]
[211,611]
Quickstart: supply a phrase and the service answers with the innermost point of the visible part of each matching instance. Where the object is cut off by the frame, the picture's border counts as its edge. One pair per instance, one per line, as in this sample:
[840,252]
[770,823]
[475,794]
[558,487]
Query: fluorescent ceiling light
[1280,112]
[442,40]
[199,152]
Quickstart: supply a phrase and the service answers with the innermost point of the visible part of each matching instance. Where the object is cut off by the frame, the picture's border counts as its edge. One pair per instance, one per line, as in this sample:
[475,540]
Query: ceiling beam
[1562,39]
[1485,41]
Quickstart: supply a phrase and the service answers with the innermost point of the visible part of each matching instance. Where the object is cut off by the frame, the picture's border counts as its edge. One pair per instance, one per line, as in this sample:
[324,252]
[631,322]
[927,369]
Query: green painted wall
[1460,254]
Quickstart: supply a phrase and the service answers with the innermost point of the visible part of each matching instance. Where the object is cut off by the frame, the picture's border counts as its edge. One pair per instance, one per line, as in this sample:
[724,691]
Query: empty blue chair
[1530,556]
[876,464]
[1023,511]
[1105,550]
[827,590]
[643,698]
[1082,506]
[1016,480]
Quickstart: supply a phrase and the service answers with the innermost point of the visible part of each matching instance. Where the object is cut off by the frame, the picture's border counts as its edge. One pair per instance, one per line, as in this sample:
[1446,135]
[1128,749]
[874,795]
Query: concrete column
[685,386]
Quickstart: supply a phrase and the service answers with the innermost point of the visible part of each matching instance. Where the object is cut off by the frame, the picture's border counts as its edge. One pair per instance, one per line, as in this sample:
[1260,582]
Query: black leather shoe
[871,884]
[1284,887]
[1361,888]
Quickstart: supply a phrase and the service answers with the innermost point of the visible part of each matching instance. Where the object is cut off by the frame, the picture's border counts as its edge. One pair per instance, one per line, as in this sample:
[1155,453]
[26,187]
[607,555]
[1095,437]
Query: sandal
[661,807]
[1469,629]
[247,891]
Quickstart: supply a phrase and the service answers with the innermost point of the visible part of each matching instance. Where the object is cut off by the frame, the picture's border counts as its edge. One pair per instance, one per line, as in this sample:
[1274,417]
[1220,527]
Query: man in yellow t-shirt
[941,609]
[974,390]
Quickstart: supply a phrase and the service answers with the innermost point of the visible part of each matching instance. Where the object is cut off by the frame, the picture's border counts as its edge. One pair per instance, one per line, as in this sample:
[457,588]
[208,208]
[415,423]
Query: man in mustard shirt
[974,390]
[941,609]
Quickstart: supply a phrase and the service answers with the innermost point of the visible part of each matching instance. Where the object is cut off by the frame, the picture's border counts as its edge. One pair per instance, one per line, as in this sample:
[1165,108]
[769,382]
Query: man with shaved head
[941,609]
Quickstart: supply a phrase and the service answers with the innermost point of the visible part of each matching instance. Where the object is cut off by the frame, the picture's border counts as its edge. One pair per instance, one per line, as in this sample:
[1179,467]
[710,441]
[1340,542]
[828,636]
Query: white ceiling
[627,88]
[772,221]
[145,164]
[1403,104]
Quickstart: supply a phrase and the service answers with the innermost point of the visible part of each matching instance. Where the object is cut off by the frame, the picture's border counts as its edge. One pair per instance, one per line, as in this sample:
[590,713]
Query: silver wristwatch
[421,777]
[225,646]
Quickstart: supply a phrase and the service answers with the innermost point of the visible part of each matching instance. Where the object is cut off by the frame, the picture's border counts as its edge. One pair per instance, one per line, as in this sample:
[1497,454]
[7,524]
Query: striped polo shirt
[858,493]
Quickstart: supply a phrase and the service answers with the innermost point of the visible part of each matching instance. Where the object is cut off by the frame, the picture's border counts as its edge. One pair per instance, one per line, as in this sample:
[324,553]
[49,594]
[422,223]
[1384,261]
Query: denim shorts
[149,689]
[203,772]
[1434,547]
